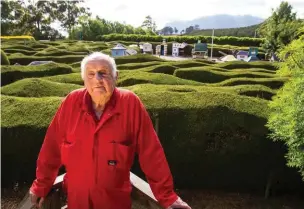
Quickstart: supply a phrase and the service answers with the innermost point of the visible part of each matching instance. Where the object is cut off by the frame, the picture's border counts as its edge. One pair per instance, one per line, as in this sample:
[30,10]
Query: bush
[136,59]
[12,73]
[36,87]
[242,64]
[164,68]
[132,66]
[230,40]
[24,52]
[73,78]
[4,59]
[22,47]
[59,53]
[225,146]
[188,63]
[25,60]
[274,83]
[132,77]
[208,75]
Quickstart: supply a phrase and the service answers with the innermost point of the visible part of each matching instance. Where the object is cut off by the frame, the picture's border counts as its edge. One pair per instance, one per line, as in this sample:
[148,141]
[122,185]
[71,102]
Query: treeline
[249,31]
[91,29]
[35,18]
[225,40]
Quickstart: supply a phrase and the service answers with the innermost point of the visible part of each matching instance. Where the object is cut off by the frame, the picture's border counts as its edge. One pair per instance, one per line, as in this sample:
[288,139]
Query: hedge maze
[211,116]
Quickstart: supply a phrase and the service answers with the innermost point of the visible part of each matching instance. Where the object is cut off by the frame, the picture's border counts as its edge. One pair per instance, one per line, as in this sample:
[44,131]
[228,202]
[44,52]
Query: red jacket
[98,154]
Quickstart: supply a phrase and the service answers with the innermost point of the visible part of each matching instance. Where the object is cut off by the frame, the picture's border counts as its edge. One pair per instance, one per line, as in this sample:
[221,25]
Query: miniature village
[183,50]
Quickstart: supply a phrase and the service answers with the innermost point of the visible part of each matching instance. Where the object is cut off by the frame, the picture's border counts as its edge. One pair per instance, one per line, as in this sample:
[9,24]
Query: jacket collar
[112,105]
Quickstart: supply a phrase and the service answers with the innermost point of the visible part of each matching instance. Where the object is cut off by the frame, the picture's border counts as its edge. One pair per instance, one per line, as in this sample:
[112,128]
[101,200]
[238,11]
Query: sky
[163,11]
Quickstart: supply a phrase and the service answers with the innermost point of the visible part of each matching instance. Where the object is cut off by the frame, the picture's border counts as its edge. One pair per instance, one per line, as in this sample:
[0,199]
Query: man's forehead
[100,64]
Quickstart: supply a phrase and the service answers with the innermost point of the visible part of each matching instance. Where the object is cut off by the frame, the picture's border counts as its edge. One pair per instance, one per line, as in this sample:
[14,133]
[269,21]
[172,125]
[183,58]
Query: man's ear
[117,74]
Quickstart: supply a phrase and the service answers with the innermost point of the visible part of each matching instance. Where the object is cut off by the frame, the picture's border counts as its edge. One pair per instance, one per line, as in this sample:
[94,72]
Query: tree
[175,30]
[189,29]
[286,120]
[280,29]
[149,24]
[68,13]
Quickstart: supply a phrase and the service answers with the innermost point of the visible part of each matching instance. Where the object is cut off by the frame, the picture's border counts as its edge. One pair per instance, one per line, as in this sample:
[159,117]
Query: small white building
[147,48]
[242,55]
[177,47]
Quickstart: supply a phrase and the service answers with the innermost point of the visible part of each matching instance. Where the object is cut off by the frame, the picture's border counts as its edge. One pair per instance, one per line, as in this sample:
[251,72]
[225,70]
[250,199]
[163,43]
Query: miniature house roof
[242,53]
[119,46]
[200,47]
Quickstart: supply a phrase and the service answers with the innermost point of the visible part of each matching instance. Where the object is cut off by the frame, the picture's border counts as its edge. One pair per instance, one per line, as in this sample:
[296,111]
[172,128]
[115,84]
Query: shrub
[188,63]
[59,53]
[208,75]
[164,68]
[73,78]
[36,87]
[136,59]
[131,66]
[219,141]
[24,52]
[18,47]
[274,83]
[242,64]
[132,77]
[12,73]
[230,40]
[25,60]
[4,59]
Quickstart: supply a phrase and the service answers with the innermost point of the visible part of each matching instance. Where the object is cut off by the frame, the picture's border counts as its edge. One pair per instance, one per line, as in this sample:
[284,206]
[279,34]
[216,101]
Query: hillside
[218,22]
[248,31]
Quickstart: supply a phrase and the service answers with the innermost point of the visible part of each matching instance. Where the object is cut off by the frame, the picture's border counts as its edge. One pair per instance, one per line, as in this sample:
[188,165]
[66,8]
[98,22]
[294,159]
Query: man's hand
[179,203]
[35,200]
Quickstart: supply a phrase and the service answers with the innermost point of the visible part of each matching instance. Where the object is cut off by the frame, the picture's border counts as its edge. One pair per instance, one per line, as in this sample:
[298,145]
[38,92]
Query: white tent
[228,58]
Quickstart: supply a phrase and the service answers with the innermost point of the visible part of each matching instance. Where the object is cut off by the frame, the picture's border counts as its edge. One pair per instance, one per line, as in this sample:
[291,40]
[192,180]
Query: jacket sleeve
[49,159]
[152,158]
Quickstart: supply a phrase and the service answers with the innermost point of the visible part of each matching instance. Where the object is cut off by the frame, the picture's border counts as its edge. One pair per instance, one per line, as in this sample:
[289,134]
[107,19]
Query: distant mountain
[218,21]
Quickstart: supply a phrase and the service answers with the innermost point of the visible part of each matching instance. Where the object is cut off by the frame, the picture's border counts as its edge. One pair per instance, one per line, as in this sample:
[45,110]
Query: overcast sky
[162,11]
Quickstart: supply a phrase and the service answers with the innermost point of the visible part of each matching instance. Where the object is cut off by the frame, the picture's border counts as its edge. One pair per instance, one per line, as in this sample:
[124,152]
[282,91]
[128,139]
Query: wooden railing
[142,196]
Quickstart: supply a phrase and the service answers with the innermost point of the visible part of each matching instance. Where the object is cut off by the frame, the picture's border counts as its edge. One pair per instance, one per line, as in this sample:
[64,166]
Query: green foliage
[248,31]
[274,83]
[25,60]
[24,52]
[286,120]
[208,75]
[73,78]
[136,59]
[238,64]
[132,77]
[10,74]
[280,29]
[4,59]
[131,66]
[36,87]
[236,41]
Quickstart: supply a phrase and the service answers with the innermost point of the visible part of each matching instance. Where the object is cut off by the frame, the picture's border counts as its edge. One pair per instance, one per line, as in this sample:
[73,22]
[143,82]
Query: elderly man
[95,134]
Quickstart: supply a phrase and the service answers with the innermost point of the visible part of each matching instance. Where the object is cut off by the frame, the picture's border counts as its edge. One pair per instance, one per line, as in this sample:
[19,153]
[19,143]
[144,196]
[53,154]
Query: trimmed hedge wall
[257,64]
[208,75]
[4,59]
[24,52]
[274,83]
[219,141]
[132,66]
[37,87]
[25,60]
[230,40]
[10,74]
[73,78]
[136,59]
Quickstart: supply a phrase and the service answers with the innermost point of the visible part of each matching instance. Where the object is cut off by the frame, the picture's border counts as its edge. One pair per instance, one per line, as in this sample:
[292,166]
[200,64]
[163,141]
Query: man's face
[99,80]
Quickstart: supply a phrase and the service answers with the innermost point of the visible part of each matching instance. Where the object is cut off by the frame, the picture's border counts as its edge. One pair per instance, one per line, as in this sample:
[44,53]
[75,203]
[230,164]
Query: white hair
[100,57]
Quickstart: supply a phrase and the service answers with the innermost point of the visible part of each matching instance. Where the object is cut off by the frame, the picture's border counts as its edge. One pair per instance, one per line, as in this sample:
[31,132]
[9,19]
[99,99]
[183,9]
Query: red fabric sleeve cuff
[169,200]
[39,191]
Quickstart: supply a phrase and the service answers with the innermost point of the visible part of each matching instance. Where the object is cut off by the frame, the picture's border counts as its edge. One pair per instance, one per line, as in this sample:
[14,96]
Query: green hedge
[24,52]
[236,41]
[133,77]
[25,60]
[274,83]
[4,58]
[215,142]
[10,74]
[241,64]
[22,47]
[164,68]
[59,52]
[134,66]
[36,87]
[136,59]
[73,78]
[208,75]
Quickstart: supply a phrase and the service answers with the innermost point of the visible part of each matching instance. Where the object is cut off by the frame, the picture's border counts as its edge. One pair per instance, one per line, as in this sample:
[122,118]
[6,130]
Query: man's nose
[99,76]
